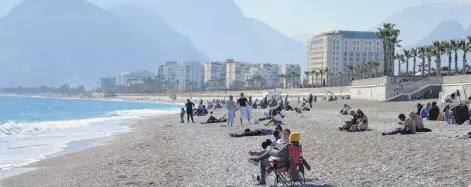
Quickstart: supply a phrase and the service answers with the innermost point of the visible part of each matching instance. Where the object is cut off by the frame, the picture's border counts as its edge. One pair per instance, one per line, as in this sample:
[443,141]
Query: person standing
[311,98]
[244,110]
[230,106]
[189,110]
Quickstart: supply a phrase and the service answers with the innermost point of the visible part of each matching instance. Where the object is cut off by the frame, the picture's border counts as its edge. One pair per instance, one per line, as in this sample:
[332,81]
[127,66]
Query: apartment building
[336,50]
[190,76]
[289,69]
[107,84]
[134,77]
[167,72]
[237,70]
[215,71]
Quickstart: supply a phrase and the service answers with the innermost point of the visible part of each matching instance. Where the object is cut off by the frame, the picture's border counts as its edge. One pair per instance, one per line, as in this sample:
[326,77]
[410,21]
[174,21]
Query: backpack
[461,113]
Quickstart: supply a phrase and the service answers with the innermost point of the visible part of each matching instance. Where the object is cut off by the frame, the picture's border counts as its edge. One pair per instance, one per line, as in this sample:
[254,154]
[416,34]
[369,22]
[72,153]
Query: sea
[33,128]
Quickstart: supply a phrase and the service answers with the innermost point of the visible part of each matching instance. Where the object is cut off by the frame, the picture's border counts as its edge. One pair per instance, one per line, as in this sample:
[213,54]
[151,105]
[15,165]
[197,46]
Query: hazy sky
[312,16]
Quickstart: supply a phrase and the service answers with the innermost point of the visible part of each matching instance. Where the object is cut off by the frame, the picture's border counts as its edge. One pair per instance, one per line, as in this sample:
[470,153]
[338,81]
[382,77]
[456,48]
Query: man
[244,110]
[409,125]
[189,110]
[433,112]
[311,98]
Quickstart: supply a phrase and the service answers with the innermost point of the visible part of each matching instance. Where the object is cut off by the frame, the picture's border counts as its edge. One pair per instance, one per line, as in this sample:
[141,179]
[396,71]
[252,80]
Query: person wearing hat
[281,156]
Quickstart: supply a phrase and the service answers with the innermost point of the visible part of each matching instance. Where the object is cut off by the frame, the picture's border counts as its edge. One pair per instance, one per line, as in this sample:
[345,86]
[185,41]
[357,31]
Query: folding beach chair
[292,172]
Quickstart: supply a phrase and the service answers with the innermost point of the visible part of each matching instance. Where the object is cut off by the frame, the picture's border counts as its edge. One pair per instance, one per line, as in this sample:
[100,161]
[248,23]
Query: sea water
[32,128]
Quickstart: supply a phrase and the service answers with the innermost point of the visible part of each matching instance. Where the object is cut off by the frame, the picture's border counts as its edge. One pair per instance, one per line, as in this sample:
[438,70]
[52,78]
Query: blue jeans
[230,117]
[398,131]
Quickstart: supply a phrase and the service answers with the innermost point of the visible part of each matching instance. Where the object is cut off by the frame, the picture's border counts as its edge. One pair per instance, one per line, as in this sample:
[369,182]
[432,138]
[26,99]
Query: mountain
[444,31]
[416,22]
[55,41]
[219,28]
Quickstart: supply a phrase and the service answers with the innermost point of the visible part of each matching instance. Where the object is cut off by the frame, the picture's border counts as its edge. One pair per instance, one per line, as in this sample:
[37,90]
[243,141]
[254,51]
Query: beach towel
[244,112]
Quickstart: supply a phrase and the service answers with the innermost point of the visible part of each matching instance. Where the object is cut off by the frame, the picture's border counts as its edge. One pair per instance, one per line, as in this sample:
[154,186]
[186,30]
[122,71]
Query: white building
[235,71]
[336,50]
[107,84]
[167,72]
[135,77]
[190,76]
[215,71]
[290,70]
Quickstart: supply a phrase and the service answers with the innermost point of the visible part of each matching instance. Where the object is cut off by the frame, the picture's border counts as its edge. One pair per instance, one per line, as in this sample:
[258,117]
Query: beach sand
[163,152]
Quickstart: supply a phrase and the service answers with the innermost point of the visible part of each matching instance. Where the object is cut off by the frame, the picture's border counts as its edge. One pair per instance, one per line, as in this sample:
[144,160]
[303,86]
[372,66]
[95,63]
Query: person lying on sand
[212,119]
[345,110]
[249,132]
[349,124]
[409,125]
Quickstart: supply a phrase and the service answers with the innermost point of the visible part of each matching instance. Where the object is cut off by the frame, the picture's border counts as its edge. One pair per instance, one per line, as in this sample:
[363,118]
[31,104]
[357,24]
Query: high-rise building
[292,73]
[215,73]
[167,72]
[235,71]
[190,76]
[135,77]
[335,50]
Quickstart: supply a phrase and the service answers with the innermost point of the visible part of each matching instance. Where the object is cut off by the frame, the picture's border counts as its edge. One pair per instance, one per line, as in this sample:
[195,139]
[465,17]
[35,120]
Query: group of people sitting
[454,112]
[359,121]
[275,154]
[412,124]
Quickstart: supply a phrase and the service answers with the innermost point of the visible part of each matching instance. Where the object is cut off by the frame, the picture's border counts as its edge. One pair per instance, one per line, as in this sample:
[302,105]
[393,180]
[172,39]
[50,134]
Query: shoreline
[160,151]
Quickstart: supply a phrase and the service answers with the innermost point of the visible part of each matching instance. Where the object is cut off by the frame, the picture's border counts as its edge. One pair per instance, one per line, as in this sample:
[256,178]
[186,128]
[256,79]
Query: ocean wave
[12,128]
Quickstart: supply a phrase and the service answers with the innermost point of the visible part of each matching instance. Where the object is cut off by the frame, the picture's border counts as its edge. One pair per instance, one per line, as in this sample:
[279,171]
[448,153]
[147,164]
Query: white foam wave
[17,128]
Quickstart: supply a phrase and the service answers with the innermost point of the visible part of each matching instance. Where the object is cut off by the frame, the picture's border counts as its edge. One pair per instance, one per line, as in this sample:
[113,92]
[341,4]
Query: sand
[163,152]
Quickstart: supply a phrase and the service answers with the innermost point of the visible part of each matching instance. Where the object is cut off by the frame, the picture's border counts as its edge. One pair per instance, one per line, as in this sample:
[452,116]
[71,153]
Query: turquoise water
[32,128]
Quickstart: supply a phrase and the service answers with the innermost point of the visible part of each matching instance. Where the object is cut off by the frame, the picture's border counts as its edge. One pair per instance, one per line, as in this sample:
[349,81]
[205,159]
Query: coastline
[80,144]
[160,151]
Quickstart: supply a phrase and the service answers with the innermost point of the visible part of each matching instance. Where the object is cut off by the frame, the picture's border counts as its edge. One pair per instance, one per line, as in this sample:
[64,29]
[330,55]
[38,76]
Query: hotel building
[335,50]
[168,71]
[215,71]
[190,76]
[289,69]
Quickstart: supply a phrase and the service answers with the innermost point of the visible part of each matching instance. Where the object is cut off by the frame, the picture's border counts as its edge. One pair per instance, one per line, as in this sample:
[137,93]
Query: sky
[293,17]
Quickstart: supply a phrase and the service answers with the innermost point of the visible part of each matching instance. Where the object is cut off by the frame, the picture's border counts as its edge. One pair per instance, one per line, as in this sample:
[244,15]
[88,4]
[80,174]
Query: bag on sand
[461,114]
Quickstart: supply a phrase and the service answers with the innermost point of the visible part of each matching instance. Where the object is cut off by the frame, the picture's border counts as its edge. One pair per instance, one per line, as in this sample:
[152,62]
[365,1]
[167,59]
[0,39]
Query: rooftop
[350,34]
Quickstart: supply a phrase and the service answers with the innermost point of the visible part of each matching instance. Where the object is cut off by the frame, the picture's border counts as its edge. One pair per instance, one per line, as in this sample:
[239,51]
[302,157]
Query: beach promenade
[163,152]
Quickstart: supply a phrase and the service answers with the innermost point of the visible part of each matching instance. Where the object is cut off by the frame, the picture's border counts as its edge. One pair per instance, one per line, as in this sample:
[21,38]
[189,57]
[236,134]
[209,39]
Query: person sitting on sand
[409,125]
[276,118]
[424,111]
[345,110]
[348,124]
[288,107]
[419,124]
[419,108]
[248,132]
[281,156]
[433,112]
[362,122]
[283,140]
[277,132]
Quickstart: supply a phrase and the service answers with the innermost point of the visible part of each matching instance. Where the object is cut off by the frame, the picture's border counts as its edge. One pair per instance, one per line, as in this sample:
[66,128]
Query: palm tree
[326,71]
[341,75]
[350,72]
[307,73]
[317,74]
[407,55]
[313,74]
[455,46]
[390,35]
[399,58]
[321,72]
[465,45]
[422,52]
[449,51]
[429,52]
[414,54]
[295,77]
[438,50]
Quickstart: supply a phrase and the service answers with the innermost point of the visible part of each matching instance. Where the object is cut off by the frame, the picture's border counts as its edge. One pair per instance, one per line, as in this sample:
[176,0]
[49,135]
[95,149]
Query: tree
[429,52]
[351,68]
[414,54]
[407,56]
[390,35]
[422,51]
[438,51]
[455,46]
[465,45]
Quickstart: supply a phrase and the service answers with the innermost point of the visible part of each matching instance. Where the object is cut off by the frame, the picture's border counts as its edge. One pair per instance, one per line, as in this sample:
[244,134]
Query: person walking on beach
[182,115]
[230,106]
[189,110]
[244,110]
[311,98]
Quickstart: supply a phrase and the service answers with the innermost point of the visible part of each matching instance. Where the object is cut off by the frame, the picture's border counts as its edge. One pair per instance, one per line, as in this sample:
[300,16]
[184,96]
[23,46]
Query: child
[182,114]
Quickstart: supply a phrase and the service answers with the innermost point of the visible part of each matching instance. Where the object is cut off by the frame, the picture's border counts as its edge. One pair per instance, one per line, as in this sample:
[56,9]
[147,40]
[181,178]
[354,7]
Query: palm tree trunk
[423,66]
[449,64]
[464,63]
[439,65]
[414,64]
[429,58]
[456,62]
[407,67]
[398,68]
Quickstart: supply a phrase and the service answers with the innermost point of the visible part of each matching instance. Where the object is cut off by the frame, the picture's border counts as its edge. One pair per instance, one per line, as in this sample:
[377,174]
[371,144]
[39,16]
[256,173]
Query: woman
[283,140]
[419,108]
[230,106]
[362,121]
